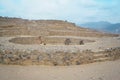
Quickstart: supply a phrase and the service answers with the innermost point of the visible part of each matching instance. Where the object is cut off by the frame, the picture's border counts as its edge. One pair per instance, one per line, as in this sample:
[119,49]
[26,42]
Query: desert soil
[109,70]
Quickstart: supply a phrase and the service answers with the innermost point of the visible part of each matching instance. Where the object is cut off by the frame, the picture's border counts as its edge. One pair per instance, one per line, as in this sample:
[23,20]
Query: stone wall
[58,58]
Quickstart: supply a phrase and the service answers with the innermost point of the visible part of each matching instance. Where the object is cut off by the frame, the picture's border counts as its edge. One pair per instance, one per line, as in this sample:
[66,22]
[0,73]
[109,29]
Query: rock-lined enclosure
[48,40]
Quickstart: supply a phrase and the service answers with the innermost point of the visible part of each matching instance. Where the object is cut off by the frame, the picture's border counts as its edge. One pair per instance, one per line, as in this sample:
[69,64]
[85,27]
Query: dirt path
[109,70]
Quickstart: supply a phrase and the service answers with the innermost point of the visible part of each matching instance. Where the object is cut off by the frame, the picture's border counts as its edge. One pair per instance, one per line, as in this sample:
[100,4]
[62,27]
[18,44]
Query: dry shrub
[67,41]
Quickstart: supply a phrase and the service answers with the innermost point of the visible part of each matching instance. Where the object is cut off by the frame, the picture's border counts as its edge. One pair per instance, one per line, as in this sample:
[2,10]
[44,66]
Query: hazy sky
[78,11]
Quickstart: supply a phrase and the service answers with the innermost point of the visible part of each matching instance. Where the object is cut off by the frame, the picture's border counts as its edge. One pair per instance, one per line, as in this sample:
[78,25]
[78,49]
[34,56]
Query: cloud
[72,10]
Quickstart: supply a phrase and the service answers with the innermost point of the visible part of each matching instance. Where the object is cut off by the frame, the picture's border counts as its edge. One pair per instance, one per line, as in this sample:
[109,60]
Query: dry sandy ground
[109,70]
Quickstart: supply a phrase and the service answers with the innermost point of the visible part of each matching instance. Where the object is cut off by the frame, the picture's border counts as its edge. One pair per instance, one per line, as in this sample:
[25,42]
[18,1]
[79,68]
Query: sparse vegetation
[81,42]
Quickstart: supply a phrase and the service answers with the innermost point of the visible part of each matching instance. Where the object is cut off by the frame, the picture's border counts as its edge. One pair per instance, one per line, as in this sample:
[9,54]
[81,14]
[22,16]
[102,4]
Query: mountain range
[103,26]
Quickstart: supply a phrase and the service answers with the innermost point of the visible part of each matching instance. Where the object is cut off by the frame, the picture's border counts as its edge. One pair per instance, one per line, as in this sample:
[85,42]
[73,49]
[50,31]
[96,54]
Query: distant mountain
[103,26]
[115,28]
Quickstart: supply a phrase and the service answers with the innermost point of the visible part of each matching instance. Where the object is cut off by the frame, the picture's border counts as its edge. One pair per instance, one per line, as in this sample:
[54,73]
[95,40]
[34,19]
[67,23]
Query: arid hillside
[17,26]
[54,42]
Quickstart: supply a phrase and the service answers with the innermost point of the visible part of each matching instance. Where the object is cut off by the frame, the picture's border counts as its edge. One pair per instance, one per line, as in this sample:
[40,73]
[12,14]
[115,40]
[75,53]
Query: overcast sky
[78,11]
